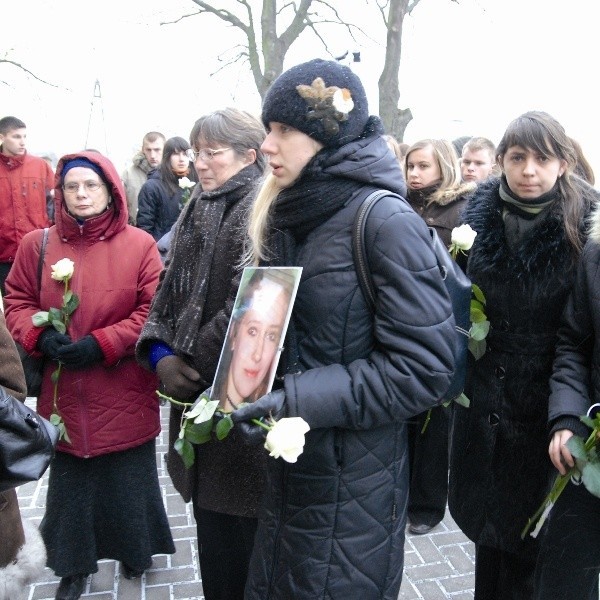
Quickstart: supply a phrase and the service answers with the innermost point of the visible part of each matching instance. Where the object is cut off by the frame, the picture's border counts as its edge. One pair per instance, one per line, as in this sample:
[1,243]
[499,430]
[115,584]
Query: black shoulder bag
[27,442]
[33,366]
[457,284]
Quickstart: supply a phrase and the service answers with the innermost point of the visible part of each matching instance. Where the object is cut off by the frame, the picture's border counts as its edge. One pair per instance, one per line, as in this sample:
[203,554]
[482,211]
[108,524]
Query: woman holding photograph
[184,334]
[332,523]
[254,338]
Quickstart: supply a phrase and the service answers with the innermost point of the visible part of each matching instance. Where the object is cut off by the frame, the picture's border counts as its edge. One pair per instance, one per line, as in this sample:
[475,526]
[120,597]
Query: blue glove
[271,405]
[81,354]
[51,341]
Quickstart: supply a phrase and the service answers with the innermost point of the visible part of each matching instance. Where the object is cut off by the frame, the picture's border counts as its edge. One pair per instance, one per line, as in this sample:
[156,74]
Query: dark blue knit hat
[322,98]
[82,162]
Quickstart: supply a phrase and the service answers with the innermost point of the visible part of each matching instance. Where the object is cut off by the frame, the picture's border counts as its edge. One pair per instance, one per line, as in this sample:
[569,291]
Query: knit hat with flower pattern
[322,98]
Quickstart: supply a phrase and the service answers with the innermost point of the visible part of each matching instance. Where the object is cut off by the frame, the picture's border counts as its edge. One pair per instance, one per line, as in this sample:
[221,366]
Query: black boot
[130,572]
[70,588]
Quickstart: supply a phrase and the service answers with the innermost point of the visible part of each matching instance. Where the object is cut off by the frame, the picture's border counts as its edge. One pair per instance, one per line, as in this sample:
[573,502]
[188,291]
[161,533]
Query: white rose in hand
[185,183]
[463,237]
[63,269]
[286,438]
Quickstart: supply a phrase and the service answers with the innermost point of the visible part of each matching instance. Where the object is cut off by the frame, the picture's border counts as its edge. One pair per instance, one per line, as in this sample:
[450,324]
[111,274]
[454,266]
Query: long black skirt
[109,506]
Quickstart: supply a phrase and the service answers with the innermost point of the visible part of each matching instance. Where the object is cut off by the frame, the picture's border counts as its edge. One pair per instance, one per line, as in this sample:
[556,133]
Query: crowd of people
[382,453]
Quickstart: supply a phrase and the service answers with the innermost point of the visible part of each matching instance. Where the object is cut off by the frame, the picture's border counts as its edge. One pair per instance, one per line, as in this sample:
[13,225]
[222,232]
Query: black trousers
[224,544]
[569,558]
[502,575]
[428,451]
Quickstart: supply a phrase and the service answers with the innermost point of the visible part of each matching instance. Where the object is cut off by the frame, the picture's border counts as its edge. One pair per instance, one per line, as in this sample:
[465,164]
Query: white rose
[185,183]
[463,237]
[342,101]
[63,269]
[286,438]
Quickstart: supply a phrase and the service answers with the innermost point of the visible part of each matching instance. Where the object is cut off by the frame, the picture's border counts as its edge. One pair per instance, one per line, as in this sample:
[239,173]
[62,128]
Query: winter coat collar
[12,162]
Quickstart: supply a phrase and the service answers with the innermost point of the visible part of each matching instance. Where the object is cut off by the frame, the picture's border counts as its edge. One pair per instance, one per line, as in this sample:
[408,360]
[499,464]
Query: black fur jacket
[499,466]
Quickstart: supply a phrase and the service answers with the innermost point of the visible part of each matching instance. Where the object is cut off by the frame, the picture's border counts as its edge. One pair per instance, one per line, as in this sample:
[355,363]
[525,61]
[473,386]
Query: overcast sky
[468,68]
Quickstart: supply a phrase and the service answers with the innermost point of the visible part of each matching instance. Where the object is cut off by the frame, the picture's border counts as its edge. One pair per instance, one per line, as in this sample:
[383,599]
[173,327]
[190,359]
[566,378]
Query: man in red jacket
[24,181]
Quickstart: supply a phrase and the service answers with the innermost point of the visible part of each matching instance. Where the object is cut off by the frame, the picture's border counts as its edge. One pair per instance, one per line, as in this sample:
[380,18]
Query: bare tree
[266,55]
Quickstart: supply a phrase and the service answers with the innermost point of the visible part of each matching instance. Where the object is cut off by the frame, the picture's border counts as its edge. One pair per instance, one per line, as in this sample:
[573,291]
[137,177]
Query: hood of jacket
[368,160]
[106,224]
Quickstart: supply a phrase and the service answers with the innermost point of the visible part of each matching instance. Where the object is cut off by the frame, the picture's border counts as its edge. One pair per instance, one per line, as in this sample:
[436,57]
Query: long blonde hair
[258,221]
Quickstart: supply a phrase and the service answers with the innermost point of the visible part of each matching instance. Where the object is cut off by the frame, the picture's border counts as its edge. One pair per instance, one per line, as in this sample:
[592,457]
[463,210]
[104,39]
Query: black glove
[179,380]
[81,354]
[271,405]
[51,341]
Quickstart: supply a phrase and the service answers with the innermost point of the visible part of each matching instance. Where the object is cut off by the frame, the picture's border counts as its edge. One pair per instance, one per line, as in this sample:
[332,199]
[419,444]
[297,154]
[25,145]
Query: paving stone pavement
[438,565]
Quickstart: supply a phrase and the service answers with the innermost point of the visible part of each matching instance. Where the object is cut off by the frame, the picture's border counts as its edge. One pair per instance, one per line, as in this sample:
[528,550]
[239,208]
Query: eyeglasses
[90,186]
[206,154]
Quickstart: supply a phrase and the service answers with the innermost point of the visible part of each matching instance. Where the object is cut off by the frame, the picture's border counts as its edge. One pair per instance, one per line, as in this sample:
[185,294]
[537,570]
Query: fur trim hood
[27,566]
[452,194]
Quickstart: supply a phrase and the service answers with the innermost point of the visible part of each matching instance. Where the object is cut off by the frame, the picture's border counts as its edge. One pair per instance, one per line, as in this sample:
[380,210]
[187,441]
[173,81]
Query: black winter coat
[575,382]
[499,465]
[158,206]
[332,524]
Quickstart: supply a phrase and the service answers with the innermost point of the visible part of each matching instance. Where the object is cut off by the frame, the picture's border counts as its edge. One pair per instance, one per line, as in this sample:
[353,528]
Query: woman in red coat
[103,498]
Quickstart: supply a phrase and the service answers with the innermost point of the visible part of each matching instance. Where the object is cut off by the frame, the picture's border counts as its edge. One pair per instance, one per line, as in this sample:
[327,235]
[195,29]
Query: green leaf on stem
[477,348]
[186,451]
[479,331]
[478,293]
[477,315]
[576,447]
[590,475]
[462,400]
[198,433]
[224,427]
[40,319]
[203,410]
[55,314]
[71,304]
[59,326]
[55,375]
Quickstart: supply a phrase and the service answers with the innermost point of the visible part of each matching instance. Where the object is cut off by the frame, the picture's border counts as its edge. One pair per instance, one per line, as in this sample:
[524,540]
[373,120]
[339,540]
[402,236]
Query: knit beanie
[80,161]
[322,98]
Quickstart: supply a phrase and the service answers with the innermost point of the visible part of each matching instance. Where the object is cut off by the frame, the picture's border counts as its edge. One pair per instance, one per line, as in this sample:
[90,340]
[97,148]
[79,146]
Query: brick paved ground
[438,565]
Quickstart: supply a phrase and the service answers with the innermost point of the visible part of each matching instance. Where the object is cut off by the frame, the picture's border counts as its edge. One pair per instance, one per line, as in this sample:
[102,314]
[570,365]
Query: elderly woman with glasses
[103,498]
[184,334]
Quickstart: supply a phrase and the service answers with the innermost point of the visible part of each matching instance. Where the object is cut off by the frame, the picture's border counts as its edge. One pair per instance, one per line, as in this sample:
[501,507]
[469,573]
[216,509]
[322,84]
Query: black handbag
[33,366]
[27,442]
[457,284]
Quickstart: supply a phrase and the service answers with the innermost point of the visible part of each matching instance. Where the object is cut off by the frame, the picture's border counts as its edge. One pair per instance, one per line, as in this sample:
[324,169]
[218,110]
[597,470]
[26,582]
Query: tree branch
[20,66]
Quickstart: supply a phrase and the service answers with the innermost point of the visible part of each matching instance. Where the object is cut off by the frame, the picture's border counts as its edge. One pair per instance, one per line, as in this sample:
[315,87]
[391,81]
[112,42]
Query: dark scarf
[314,198]
[186,279]
[521,215]
[299,209]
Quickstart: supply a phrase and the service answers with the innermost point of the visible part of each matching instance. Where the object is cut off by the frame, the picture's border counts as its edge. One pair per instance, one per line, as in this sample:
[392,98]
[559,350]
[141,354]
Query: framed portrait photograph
[255,334]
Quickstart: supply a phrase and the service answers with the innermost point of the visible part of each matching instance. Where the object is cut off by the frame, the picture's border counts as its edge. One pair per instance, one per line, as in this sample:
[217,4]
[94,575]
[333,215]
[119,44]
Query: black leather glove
[272,405]
[51,341]
[81,354]
[179,380]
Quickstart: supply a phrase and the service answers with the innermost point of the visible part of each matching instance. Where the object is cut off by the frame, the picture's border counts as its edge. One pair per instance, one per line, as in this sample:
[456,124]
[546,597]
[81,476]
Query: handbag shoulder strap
[359,249]
[41,258]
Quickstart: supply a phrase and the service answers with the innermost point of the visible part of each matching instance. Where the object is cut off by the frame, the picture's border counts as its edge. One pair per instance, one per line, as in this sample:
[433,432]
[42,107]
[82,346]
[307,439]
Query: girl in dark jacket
[569,558]
[161,198]
[530,226]
[184,334]
[332,524]
[436,193]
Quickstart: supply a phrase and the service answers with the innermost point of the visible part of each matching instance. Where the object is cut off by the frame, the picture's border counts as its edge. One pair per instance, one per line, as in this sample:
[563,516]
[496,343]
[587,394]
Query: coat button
[494,419]
[500,372]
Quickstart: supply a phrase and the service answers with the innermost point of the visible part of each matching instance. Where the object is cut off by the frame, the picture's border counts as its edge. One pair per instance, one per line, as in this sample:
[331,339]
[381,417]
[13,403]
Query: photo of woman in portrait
[249,358]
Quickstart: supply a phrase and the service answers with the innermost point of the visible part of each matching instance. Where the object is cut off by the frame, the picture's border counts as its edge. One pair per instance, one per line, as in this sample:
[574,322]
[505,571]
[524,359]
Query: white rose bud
[286,438]
[342,101]
[63,269]
[185,183]
[463,237]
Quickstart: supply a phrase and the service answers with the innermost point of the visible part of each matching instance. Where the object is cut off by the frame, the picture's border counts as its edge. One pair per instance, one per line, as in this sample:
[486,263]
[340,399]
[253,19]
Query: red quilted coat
[110,406]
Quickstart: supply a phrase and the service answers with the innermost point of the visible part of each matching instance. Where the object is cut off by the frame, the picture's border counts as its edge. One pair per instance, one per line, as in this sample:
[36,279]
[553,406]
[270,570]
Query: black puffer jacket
[332,524]
[158,206]
[499,465]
